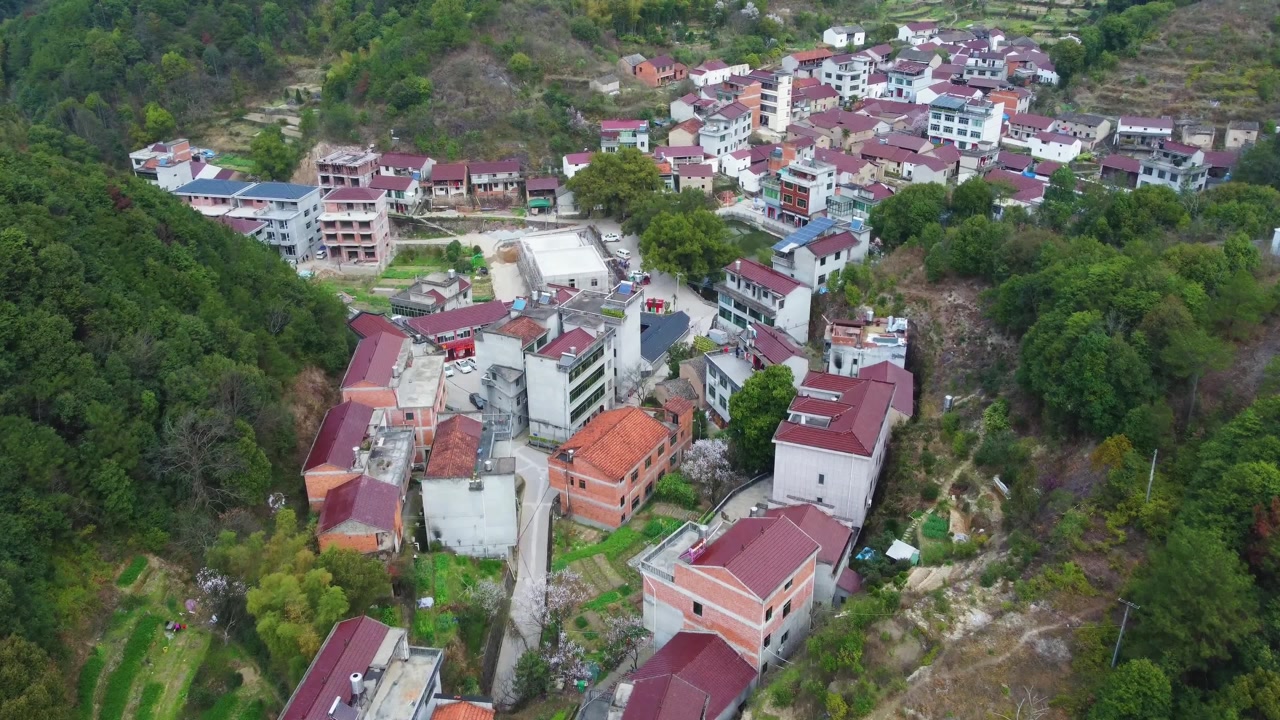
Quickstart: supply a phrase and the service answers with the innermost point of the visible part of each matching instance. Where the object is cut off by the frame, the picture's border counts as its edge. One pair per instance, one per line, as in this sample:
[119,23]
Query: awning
[540,203]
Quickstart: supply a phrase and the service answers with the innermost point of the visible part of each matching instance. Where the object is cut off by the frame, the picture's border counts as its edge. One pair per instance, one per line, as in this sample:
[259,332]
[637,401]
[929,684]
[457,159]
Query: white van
[623,253]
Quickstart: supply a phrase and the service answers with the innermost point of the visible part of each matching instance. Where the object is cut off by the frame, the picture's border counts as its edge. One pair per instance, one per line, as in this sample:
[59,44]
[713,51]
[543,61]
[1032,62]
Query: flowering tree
[568,660]
[550,599]
[624,635]
[707,466]
[223,596]
[487,596]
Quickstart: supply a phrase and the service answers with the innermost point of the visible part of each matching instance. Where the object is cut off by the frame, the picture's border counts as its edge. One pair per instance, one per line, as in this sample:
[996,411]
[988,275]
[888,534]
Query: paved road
[531,562]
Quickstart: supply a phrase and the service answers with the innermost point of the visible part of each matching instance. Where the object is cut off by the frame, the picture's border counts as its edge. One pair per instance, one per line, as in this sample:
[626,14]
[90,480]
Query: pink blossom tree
[706,464]
[550,599]
[624,635]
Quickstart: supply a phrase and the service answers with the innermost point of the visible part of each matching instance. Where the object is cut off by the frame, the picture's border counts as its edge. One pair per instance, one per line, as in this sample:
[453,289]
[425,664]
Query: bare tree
[278,315]
[632,380]
[197,456]
[1030,707]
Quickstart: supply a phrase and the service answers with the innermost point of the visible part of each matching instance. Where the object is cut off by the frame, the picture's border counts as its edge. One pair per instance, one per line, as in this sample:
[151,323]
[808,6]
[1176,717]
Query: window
[786,609]
[635,475]
[635,503]
[661,448]
[822,279]
[789,583]
[697,609]
[822,479]
[768,615]
[408,416]
[818,499]
[823,261]
[838,254]
[582,484]
[622,502]
[648,463]
[768,639]
[783,640]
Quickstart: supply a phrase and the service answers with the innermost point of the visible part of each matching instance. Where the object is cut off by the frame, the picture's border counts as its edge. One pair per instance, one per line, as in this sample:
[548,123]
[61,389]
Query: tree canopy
[614,182]
[693,244]
[756,410]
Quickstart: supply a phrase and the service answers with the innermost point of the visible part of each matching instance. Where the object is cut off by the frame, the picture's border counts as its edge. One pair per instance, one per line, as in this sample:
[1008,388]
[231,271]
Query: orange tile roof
[461,710]
[617,440]
[678,405]
[523,327]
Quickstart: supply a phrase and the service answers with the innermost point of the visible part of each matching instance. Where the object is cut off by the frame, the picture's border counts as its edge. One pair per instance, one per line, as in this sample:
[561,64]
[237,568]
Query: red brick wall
[745,637]
[360,543]
[320,483]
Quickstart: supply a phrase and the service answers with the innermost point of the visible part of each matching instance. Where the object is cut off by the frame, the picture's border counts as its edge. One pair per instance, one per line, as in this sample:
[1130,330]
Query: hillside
[1212,61]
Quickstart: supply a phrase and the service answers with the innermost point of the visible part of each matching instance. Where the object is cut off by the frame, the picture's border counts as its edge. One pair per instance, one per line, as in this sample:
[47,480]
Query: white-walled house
[917,33]
[815,251]
[714,72]
[1055,146]
[843,36]
[573,162]
[752,292]
[468,498]
[1174,165]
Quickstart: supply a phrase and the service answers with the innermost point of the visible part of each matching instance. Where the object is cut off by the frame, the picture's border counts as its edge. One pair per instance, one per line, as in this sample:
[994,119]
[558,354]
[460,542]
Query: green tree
[1260,164]
[364,579]
[756,410]
[677,354]
[651,206]
[1197,603]
[1059,199]
[614,182]
[898,218]
[524,68]
[160,122]
[295,609]
[1137,690]
[532,676]
[273,158]
[1069,58]
[973,247]
[972,197]
[1192,352]
[693,244]
[30,684]
[1240,307]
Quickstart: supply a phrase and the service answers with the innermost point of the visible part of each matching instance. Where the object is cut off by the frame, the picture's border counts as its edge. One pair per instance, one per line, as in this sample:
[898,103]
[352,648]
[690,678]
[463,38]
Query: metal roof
[659,332]
[947,101]
[805,235]
[279,191]
[223,188]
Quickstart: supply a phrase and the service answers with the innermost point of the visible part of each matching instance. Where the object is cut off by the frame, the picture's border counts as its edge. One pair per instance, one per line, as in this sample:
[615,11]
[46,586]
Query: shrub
[936,554]
[936,527]
[963,443]
[782,695]
[930,492]
[116,695]
[223,708]
[674,489]
[130,574]
[653,529]
[424,628]
[580,623]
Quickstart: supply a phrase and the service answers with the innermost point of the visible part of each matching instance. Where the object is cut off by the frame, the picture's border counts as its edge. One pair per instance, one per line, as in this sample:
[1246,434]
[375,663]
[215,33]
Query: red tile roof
[679,151]
[921,26]
[805,56]
[1165,123]
[844,162]
[617,440]
[761,552]
[1220,158]
[818,92]
[374,359]
[523,327]
[850,581]
[355,194]
[1014,161]
[391,182]
[490,168]
[1059,138]
[366,324]
[1123,163]
[575,341]
[694,676]
[542,183]
[350,648]
[774,344]
[404,161]
[832,243]
[463,318]
[448,172]
[761,275]
[947,153]
[694,171]
[623,124]
[243,226]
[581,158]
[854,421]
[932,162]
[1039,122]
[678,405]
[462,710]
[876,151]
[1047,167]
[732,110]
[662,61]
[342,429]
[831,536]
[902,380]
[691,126]
[365,500]
[453,454]
[1026,186]
[914,143]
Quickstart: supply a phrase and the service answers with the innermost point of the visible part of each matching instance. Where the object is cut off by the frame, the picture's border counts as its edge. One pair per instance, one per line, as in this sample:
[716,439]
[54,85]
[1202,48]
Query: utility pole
[1152,476]
[1127,606]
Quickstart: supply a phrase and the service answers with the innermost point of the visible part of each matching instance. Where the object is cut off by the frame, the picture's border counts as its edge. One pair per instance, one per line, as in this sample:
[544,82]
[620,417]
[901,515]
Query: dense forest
[146,361]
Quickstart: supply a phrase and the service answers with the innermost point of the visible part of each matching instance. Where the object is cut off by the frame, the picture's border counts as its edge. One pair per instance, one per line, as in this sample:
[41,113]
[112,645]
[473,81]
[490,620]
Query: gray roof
[679,387]
[1242,125]
[1082,118]
[279,191]
[659,332]
[633,59]
[947,101]
[847,29]
[223,188]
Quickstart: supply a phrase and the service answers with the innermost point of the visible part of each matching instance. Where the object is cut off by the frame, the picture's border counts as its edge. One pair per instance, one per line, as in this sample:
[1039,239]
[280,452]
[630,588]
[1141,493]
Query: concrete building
[1174,166]
[1142,133]
[714,72]
[355,440]
[964,123]
[1055,146]
[291,214]
[391,373]
[355,225]
[843,36]
[805,63]
[403,193]
[1024,126]
[917,33]
[166,165]
[830,449]
[1201,136]
[752,292]
[908,78]
[394,164]
[848,74]
[573,162]
[500,182]
[1240,134]
[986,64]
[449,184]
[607,470]
[432,293]
[454,330]
[1091,129]
[725,130]
[367,671]
[616,135]
[346,169]
[606,84]
[468,496]
[500,351]
[694,676]
[695,177]
[834,580]
[567,257]
[659,71]
[751,583]
[800,191]
[815,251]
[726,372]
[775,99]
[849,345]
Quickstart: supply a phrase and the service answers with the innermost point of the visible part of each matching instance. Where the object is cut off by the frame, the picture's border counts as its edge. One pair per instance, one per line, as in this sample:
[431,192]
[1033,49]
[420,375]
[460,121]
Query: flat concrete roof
[563,254]
[402,691]
[738,369]
[420,379]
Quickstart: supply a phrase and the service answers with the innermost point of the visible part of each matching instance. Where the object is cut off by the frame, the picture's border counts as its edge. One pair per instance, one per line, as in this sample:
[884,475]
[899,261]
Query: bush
[936,527]
[930,492]
[674,489]
[581,28]
[532,676]
[654,529]
[131,573]
[782,696]
[581,622]
[116,695]
[935,554]
[963,443]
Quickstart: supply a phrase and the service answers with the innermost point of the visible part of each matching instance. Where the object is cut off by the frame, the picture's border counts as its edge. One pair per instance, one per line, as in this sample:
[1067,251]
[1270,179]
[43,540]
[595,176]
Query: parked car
[463,368]
[477,400]
[612,237]
[469,361]
[623,253]
[448,370]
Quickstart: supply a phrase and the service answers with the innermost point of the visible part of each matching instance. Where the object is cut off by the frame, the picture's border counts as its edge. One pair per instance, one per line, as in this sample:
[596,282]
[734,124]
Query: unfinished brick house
[364,515]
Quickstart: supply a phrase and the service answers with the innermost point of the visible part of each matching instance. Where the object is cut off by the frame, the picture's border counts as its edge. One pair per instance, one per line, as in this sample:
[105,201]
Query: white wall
[793,317]
[848,483]
[1054,151]
[472,522]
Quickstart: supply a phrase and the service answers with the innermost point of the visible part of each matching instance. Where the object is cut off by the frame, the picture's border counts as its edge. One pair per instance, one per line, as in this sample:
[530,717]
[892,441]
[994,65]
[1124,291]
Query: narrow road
[531,563]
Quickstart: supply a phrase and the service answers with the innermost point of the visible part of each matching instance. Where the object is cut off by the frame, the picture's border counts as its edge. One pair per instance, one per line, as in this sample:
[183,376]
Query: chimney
[573,350]
[357,687]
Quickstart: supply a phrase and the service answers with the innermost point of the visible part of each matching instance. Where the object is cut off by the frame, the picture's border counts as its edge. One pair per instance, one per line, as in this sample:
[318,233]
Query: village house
[834,580]
[847,74]
[398,164]
[694,676]
[627,64]
[751,583]
[364,515]
[166,165]
[355,440]
[714,72]
[850,170]
[815,251]
[662,70]
[435,292]
[291,214]
[842,36]
[355,225]
[367,324]
[695,177]
[964,123]
[725,129]
[865,197]
[724,373]
[759,347]
[1028,191]
[500,182]
[391,373]
[850,345]
[1023,127]
[1015,100]
[908,78]
[1055,146]
[1175,166]
[448,184]
[616,135]
[775,99]
[402,192]
[607,470]
[1091,129]
[542,192]
[799,192]
[917,168]
[752,292]
[1201,136]
[917,33]
[845,130]
[346,168]
[937,90]
[742,89]
[986,64]
[248,227]
[813,98]
[468,497]
[606,84]
[805,63]
[573,162]
[453,330]
[1240,134]
[686,133]
[903,406]
[1121,170]
[1142,133]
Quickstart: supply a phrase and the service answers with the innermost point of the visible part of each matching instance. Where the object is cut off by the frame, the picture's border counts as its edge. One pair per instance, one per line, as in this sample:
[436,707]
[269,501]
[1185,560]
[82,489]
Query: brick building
[354,440]
[362,515]
[610,467]
[389,372]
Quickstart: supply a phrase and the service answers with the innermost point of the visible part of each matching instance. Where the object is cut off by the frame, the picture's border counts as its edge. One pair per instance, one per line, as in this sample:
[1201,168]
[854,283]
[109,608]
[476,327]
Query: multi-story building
[1055,147]
[1142,133]
[417,167]
[695,177]
[355,225]
[815,251]
[501,348]
[1015,99]
[391,373]
[843,36]
[751,583]
[1175,166]
[908,78]
[346,168]
[499,182]
[848,74]
[1023,126]
[291,213]
[367,671]
[917,33]
[432,293]
[468,497]
[570,258]
[714,72]
[364,515]
[800,191]
[726,372]
[830,448]
[212,198]
[752,292]
[775,99]
[607,470]
[165,164]
[865,197]
[725,129]
[986,64]
[806,63]
[964,123]
[618,134]
[449,184]
[695,675]
[849,345]
[662,70]
[454,330]
[355,440]
[744,90]
[1240,133]
[834,580]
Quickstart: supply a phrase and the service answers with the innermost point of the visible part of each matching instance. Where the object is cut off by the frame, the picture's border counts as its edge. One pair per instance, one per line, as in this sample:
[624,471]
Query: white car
[463,367]
[448,370]
[612,237]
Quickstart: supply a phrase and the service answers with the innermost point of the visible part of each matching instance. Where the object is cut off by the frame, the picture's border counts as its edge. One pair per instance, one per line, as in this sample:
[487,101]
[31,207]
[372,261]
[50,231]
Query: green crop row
[116,696]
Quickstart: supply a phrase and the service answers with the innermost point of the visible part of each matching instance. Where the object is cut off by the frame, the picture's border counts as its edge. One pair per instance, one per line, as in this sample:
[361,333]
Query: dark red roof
[243,226]
[624,124]
[1123,163]
[854,420]
[449,172]
[1059,138]
[915,143]
[575,338]
[850,581]
[876,151]
[761,275]
[1014,161]
[365,500]
[1220,158]
[366,324]
[902,380]
[662,61]
[761,552]
[405,161]
[694,171]
[355,194]
[542,183]
[831,244]
[1047,167]
[774,344]
[828,382]
[844,162]
[1039,122]
[454,452]
[946,153]
[463,318]
[694,676]
[350,648]
[342,429]
[391,182]
[374,359]
[499,166]
[678,405]
[831,536]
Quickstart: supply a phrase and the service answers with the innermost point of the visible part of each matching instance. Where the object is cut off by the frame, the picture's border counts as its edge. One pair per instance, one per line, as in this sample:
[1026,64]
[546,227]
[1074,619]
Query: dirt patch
[891,645]
[310,396]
